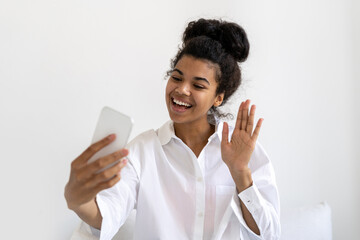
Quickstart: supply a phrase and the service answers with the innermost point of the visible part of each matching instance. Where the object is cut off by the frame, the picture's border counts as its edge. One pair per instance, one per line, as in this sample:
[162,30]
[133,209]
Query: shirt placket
[200,197]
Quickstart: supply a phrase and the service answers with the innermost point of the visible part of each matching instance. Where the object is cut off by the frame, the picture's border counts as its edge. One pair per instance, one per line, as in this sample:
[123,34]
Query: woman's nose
[183,89]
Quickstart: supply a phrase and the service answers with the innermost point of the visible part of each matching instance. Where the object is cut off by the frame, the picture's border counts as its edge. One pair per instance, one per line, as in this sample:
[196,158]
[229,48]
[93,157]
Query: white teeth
[181,103]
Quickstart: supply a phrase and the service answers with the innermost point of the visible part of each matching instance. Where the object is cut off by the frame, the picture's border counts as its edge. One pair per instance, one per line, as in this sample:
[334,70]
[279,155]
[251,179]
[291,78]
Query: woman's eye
[199,86]
[176,78]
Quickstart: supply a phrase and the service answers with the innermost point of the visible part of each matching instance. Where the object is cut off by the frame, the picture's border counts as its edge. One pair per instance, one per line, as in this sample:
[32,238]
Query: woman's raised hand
[236,153]
[86,180]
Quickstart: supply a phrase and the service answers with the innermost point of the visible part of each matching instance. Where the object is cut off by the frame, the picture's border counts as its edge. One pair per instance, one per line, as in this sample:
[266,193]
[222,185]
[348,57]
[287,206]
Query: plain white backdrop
[62,61]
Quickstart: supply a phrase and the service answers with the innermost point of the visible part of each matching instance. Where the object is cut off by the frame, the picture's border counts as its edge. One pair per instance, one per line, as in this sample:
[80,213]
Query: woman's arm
[237,153]
[90,213]
[86,181]
[243,182]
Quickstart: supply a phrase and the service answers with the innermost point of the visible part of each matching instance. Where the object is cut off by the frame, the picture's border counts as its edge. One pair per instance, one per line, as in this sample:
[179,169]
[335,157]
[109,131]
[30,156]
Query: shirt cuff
[105,232]
[85,232]
[95,232]
[252,199]
[252,204]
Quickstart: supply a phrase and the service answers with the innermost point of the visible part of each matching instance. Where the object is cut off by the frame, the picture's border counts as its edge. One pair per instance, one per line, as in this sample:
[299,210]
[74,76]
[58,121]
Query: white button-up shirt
[180,196]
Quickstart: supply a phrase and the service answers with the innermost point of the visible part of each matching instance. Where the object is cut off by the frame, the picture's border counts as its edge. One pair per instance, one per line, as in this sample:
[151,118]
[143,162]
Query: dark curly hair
[224,44]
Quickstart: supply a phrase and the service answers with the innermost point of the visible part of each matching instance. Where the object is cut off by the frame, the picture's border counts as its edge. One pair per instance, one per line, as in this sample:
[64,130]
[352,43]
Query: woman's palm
[237,153]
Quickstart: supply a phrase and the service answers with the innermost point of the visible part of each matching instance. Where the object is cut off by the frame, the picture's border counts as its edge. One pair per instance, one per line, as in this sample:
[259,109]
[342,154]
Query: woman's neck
[195,135]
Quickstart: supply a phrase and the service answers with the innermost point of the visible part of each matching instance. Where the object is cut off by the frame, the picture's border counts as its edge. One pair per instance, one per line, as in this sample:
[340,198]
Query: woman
[193,178]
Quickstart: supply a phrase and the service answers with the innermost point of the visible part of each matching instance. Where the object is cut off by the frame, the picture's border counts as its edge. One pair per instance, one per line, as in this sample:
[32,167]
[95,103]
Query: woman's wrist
[89,212]
[242,179]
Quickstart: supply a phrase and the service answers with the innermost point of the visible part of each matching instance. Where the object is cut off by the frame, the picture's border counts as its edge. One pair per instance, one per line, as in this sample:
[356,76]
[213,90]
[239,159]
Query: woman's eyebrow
[196,78]
[177,70]
[202,79]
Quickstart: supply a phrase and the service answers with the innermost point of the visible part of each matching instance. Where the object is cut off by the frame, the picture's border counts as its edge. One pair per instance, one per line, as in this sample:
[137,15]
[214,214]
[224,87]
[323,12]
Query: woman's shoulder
[259,157]
[259,152]
[143,147]
[143,138]
[152,136]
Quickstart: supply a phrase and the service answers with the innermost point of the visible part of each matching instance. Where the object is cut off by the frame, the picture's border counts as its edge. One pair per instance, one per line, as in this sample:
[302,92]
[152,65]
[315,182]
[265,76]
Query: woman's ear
[219,99]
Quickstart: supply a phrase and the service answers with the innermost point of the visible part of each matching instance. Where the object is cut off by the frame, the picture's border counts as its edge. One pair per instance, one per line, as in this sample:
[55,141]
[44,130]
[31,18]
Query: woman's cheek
[169,87]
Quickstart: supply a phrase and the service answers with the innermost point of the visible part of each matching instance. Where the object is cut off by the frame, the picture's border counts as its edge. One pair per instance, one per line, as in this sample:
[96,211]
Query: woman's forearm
[90,213]
[250,222]
[243,180]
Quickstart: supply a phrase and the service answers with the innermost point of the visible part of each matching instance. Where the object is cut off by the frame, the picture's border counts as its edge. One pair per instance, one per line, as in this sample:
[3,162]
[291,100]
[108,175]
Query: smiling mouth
[179,103]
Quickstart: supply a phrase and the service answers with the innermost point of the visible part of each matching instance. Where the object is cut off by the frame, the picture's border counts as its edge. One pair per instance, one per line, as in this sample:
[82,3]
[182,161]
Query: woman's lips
[181,103]
[179,106]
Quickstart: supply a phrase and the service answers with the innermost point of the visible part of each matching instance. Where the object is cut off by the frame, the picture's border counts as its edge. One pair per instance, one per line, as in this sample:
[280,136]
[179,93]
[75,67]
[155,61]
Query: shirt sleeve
[261,199]
[116,203]
[85,232]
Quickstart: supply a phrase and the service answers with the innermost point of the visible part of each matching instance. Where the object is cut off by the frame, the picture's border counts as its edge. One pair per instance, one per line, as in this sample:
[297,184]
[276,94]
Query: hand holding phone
[99,166]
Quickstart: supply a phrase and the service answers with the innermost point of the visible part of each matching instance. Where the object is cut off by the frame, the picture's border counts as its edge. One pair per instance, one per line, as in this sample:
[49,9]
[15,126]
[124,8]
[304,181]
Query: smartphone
[111,121]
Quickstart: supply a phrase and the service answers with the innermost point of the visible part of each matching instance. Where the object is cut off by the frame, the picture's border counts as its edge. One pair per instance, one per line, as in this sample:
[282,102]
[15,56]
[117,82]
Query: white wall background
[62,61]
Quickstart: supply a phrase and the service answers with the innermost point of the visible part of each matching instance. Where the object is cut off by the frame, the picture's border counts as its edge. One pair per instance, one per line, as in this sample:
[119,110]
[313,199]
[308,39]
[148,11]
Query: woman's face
[191,90]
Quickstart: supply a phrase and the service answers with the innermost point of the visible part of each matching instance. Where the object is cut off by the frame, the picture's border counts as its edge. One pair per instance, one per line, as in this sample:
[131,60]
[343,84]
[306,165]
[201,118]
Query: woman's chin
[176,118]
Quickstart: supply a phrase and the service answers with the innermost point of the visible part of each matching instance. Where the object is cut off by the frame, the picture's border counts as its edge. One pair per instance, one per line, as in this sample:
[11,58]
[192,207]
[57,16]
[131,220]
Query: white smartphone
[111,121]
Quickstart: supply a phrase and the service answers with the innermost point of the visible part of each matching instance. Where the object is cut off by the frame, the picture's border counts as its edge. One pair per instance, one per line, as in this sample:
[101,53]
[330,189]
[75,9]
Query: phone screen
[111,121]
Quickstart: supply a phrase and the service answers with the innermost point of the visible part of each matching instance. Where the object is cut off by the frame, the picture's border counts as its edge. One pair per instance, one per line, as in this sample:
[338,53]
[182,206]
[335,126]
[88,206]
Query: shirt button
[200,214]
[199,179]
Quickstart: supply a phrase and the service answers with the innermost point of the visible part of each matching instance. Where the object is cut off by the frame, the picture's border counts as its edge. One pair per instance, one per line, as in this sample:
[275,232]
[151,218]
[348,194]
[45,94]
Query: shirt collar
[218,130]
[166,132]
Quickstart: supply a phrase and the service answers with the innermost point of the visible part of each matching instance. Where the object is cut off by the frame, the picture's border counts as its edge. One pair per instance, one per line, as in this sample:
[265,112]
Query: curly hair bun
[231,36]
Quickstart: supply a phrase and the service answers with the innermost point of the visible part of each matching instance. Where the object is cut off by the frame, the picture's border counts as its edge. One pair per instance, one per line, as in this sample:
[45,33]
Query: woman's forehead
[189,65]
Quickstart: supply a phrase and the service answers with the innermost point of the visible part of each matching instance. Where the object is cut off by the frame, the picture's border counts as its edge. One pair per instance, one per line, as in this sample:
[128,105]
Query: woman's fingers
[107,184]
[92,149]
[244,114]
[85,184]
[90,170]
[107,160]
[238,118]
[245,119]
[225,133]
[106,175]
[250,124]
[86,180]
[257,129]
